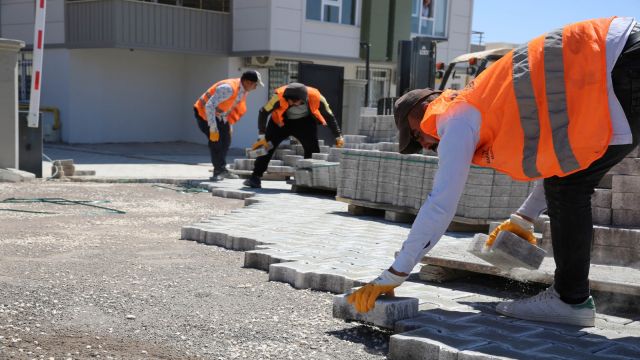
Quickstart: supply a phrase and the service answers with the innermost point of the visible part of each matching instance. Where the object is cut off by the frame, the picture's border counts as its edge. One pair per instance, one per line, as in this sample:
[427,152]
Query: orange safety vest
[226,105]
[314,97]
[544,105]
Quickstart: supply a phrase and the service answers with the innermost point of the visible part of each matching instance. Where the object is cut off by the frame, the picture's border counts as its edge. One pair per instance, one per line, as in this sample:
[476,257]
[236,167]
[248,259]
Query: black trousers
[218,150]
[305,130]
[569,197]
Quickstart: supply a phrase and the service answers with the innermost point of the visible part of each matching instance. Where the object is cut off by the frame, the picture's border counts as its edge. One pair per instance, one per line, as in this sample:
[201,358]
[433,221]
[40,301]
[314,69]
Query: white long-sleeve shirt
[459,130]
[223,92]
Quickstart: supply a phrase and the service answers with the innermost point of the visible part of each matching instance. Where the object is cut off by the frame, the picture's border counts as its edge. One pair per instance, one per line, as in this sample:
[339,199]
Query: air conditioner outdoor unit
[261,61]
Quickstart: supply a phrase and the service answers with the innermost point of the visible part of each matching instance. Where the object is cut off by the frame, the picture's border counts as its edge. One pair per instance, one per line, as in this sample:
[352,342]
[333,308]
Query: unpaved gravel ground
[86,283]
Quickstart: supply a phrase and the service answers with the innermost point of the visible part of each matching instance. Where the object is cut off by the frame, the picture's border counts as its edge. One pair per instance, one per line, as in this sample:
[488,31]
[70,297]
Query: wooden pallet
[407,215]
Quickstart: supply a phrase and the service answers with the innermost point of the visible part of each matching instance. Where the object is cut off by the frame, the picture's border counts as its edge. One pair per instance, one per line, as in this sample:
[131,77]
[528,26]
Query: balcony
[144,25]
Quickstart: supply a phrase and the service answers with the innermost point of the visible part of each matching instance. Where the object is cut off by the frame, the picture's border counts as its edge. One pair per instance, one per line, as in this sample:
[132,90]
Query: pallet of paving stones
[383,179]
[408,214]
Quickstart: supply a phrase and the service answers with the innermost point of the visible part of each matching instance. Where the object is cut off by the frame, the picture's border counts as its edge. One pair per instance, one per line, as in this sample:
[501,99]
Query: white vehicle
[465,67]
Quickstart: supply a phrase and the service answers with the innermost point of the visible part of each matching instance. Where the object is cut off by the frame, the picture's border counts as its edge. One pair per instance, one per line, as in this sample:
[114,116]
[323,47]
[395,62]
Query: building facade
[130,71]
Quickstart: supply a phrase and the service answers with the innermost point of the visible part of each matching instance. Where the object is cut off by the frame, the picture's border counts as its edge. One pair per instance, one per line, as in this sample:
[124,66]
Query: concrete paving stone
[290,160]
[501,179]
[447,324]
[617,256]
[427,343]
[506,339]
[231,194]
[582,343]
[625,184]
[480,179]
[611,236]
[620,352]
[496,322]
[262,259]
[625,218]
[473,212]
[628,166]
[568,351]
[601,216]
[501,213]
[601,198]
[354,139]
[386,312]
[606,182]
[553,328]
[635,153]
[507,252]
[217,239]
[625,201]
[497,351]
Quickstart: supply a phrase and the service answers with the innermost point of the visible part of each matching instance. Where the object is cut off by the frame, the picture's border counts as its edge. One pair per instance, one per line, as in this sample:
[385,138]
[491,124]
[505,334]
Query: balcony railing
[146,25]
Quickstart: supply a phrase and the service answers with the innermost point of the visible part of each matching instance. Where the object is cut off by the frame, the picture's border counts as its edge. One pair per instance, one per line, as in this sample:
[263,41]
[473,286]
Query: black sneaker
[253,182]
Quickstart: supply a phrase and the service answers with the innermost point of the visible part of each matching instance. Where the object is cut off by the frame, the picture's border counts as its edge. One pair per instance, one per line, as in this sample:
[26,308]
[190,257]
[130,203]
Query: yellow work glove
[262,142]
[214,135]
[364,299]
[339,142]
[517,225]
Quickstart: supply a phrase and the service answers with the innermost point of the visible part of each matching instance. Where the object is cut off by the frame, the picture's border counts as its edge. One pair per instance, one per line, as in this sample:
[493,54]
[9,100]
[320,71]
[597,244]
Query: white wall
[459,35]
[17,20]
[280,26]
[117,95]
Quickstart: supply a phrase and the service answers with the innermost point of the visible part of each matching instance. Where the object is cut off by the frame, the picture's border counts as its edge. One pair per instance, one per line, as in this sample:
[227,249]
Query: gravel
[88,283]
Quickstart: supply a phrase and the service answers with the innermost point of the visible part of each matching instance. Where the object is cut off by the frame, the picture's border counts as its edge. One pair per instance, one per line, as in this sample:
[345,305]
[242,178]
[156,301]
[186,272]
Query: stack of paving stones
[335,252]
[378,128]
[63,168]
[616,216]
[406,180]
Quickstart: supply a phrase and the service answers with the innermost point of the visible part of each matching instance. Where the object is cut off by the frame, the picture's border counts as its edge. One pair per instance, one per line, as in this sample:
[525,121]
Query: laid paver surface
[311,242]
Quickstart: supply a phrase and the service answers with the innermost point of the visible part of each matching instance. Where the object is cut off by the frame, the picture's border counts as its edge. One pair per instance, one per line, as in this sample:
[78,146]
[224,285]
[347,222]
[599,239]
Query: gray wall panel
[140,25]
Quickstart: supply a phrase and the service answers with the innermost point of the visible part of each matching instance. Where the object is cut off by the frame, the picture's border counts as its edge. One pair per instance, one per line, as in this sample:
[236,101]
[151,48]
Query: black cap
[253,76]
[295,91]
[402,107]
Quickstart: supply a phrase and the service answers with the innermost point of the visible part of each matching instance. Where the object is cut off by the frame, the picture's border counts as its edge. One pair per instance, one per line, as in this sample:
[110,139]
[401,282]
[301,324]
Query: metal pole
[366,87]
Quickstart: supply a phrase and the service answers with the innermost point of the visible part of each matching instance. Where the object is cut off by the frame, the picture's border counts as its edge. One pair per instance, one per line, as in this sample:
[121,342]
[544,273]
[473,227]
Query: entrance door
[329,80]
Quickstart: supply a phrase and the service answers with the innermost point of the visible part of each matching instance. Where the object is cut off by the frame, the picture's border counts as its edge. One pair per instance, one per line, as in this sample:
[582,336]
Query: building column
[9,102]
[352,102]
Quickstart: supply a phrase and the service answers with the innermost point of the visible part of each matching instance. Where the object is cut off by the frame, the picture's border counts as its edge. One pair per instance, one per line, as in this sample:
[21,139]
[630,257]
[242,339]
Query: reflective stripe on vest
[232,107]
[313,100]
[544,106]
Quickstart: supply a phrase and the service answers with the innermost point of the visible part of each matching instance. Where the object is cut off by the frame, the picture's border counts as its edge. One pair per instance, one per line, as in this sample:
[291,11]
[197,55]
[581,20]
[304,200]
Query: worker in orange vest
[221,106]
[295,110]
[562,108]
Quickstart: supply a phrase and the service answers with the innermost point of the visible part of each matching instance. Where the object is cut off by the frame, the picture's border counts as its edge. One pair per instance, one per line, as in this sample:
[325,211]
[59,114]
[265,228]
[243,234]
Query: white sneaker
[548,307]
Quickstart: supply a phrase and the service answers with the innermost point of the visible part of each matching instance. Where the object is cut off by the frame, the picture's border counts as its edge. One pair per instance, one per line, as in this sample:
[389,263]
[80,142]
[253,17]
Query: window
[25,61]
[429,17]
[379,83]
[333,11]
[284,72]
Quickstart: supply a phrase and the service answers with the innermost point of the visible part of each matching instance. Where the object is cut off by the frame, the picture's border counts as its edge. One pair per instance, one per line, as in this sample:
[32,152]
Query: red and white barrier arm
[36,72]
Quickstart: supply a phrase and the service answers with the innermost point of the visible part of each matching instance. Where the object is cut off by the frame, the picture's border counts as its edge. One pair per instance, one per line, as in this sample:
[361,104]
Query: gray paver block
[508,251]
[387,310]
[427,343]
[232,194]
[625,184]
[625,217]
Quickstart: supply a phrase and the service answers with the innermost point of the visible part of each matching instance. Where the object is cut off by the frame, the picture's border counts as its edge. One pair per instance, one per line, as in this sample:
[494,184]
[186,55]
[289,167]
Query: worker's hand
[214,135]
[339,142]
[262,142]
[517,225]
[364,299]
